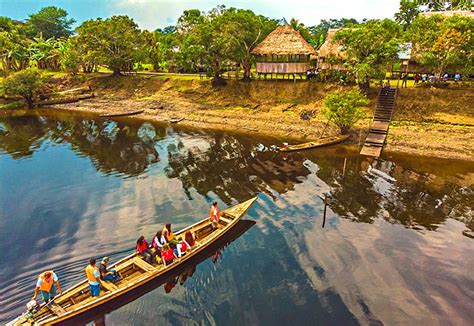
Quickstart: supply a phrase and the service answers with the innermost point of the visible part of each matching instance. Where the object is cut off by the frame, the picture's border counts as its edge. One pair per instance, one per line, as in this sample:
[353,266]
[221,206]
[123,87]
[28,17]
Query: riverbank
[430,122]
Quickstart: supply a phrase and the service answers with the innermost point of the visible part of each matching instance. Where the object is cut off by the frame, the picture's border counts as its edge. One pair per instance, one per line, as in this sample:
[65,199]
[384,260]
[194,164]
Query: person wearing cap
[110,275]
[45,285]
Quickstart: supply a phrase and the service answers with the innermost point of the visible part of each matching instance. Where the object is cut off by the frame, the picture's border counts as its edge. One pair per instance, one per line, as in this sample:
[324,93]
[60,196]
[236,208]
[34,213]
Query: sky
[152,14]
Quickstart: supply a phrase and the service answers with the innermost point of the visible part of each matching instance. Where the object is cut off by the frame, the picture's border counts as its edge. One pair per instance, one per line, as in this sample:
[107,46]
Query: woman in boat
[144,250]
[168,233]
[188,237]
[167,254]
[158,241]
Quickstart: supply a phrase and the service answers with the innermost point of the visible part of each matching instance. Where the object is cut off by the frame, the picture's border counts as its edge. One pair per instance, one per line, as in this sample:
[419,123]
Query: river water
[396,246]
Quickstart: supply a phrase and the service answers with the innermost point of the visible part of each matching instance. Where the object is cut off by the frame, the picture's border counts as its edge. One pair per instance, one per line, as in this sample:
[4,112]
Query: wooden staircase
[379,128]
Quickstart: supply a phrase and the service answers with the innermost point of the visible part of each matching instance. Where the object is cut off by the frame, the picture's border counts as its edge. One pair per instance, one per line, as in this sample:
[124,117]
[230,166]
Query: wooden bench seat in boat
[56,309]
[109,286]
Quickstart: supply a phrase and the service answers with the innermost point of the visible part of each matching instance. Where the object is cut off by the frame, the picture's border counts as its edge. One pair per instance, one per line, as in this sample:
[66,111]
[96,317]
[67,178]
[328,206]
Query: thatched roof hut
[284,40]
[283,51]
[331,55]
[331,48]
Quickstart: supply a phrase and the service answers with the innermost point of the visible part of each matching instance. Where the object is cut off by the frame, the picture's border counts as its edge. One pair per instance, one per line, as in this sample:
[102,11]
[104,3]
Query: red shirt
[168,255]
[141,248]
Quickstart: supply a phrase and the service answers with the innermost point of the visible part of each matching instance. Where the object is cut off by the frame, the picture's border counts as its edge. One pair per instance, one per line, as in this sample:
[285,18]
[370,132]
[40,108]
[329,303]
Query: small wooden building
[283,51]
[331,56]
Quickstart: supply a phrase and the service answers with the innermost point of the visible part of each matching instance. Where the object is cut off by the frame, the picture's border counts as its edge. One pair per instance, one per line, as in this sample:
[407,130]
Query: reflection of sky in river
[71,189]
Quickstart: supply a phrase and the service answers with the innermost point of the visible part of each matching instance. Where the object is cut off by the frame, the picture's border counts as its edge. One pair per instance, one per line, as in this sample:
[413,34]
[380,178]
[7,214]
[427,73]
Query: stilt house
[283,51]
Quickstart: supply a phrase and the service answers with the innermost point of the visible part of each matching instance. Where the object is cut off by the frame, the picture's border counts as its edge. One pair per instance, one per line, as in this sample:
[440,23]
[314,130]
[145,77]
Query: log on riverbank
[80,90]
[64,100]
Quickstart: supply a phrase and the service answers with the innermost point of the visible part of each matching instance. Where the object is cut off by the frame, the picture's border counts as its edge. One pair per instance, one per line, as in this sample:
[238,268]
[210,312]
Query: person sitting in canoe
[110,275]
[188,237]
[144,249]
[158,241]
[92,274]
[181,247]
[45,285]
[167,254]
[169,236]
[214,215]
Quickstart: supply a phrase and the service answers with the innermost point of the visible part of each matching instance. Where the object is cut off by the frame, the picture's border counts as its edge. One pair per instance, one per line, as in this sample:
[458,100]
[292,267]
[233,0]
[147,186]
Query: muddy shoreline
[290,112]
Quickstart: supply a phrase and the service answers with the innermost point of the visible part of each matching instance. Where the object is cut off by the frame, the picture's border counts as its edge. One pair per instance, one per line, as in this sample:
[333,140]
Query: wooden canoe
[176,120]
[317,143]
[123,114]
[135,272]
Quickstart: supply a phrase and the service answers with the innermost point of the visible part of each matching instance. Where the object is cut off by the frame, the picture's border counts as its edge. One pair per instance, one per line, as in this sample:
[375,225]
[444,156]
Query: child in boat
[144,249]
[181,247]
[158,241]
[167,254]
[188,237]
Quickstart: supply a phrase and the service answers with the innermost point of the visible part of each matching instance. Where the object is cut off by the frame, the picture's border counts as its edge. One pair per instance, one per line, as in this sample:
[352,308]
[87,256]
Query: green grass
[12,105]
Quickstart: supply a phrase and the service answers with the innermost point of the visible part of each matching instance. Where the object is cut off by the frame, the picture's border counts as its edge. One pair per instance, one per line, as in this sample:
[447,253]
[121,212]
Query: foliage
[70,57]
[115,42]
[343,108]
[319,32]
[409,9]
[443,42]
[245,31]
[50,22]
[370,47]
[14,46]
[26,83]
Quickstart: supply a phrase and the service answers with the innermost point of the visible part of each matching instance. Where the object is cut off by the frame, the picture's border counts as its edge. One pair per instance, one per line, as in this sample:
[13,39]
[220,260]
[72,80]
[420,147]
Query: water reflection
[112,146]
[410,243]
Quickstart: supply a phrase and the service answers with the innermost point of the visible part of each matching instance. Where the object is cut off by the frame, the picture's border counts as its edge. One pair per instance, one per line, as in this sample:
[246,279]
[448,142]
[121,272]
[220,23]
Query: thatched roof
[449,13]
[331,48]
[284,40]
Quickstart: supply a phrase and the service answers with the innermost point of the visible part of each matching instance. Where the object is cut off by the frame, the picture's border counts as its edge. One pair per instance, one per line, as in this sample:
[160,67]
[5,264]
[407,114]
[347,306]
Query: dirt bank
[433,122]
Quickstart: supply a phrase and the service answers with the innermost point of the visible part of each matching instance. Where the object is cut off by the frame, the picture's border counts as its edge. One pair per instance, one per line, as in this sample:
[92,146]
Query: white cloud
[151,14]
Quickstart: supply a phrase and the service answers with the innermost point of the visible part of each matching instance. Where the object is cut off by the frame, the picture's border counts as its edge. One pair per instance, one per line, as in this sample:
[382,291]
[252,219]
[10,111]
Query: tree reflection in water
[113,146]
[232,169]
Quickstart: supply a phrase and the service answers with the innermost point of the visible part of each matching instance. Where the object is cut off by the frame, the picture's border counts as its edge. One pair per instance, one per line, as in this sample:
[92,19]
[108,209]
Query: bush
[26,83]
[344,108]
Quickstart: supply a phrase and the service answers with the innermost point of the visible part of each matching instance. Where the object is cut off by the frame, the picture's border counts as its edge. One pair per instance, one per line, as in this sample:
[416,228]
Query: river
[396,245]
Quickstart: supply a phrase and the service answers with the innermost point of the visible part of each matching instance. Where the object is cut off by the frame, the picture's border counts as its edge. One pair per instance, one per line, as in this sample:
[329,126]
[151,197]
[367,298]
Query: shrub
[25,83]
[343,108]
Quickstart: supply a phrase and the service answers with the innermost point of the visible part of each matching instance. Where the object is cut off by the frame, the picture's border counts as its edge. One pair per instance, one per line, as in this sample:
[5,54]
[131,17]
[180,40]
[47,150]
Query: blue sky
[151,14]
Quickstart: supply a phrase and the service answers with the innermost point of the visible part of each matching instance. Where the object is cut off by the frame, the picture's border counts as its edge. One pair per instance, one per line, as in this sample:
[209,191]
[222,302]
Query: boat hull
[315,144]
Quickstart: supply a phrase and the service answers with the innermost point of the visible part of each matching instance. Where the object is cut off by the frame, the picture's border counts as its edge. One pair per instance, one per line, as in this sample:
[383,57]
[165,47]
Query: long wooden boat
[135,272]
[317,143]
[123,114]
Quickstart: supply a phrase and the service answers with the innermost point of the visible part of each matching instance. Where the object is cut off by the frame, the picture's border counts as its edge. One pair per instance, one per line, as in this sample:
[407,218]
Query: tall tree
[246,30]
[114,42]
[443,42]
[50,22]
[409,9]
[319,32]
[14,46]
[370,47]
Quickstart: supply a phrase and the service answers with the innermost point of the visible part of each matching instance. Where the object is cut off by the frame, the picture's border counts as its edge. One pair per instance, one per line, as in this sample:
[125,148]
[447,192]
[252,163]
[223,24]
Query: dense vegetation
[222,39]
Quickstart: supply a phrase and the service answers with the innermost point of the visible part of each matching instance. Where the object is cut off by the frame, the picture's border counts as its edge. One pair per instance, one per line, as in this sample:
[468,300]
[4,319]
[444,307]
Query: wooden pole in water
[325,209]
[344,168]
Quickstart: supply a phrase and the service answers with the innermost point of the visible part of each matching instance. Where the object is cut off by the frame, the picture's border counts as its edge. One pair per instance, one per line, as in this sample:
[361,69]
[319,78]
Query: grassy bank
[427,121]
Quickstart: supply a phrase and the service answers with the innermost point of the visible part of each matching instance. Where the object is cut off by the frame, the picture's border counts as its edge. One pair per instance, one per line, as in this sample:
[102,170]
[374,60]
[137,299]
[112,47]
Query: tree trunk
[116,72]
[29,102]
[247,66]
